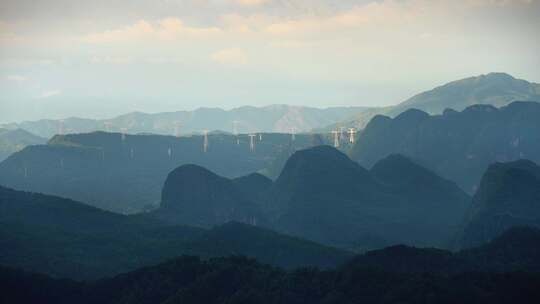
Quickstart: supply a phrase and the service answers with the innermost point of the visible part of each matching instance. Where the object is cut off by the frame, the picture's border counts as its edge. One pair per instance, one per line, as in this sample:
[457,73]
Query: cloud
[17,78]
[50,93]
[111,60]
[230,57]
[163,29]
[251,2]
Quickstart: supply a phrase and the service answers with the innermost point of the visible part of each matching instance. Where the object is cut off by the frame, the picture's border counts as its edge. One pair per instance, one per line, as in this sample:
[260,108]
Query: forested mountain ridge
[125,173]
[64,238]
[385,276]
[509,195]
[456,145]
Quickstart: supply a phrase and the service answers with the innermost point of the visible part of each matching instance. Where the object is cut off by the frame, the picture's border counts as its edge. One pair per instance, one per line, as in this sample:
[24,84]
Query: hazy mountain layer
[12,141]
[126,173]
[275,118]
[496,89]
[457,145]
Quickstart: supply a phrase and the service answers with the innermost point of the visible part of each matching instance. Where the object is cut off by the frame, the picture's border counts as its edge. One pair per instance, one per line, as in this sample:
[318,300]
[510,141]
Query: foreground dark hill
[388,276]
[496,89]
[125,174]
[509,195]
[516,249]
[274,118]
[65,238]
[457,145]
[323,195]
[12,141]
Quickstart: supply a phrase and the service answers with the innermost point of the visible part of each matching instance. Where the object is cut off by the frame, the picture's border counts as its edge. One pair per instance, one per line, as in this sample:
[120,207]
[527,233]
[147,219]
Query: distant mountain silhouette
[324,196]
[394,275]
[509,195]
[456,145]
[125,174]
[495,89]
[65,238]
[194,196]
[274,118]
[12,141]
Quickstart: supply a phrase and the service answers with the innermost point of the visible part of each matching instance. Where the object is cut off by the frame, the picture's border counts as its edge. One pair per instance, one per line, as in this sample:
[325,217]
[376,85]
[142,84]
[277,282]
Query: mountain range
[65,238]
[274,118]
[496,89]
[125,173]
[15,140]
[322,195]
[393,275]
[456,145]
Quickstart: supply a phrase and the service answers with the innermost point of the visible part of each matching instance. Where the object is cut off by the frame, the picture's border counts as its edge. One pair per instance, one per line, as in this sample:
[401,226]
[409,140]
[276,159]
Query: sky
[101,58]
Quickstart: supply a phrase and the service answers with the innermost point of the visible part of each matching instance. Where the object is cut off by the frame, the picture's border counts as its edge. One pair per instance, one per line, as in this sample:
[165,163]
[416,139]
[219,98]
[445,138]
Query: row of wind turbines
[338,135]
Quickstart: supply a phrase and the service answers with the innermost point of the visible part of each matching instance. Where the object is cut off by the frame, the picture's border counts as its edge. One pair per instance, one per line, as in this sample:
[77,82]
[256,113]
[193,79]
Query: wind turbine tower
[205,144]
[61,127]
[336,138]
[352,133]
[293,134]
[124,132]
[177,125]
[251,142]
[169,152]
[108,125]
[341,133]
[235,127]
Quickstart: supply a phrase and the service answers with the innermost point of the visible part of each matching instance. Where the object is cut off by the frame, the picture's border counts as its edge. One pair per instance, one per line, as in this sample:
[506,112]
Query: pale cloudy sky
[101,58]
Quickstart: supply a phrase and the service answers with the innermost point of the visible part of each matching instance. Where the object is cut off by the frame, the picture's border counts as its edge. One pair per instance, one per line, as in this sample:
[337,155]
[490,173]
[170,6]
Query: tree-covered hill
[64,238]
[509,195]
[240,280]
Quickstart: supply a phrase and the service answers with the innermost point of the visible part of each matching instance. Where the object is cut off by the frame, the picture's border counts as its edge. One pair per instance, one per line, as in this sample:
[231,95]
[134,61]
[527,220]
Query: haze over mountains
[496,89]
[126,173]
[125,209]
[15,140]
[248,119]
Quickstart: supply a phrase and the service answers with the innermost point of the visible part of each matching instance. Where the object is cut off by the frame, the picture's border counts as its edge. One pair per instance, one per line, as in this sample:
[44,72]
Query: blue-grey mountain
[456,145]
